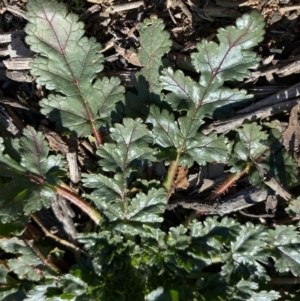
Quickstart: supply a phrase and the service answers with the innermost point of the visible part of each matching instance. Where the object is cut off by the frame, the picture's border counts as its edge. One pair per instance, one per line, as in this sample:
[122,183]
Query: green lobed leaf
[231,59]
[177,238]
[164,252]
[188,95]
[265,296]
[165,129]
[35,157]
[23,196]
[15,227]
[44,292]
[246,290]
[4,270]
[103,245]
[155,43]
[293,208]
[68,64]
[34,151]
[130,214]
[27,265]
[212,237]
[159,294]
[112,264]
[12,199]
[286,241]
[73,285]
[193,146]
[247,253]
[8,166]
[13,292]
[106,188]
[31,186]
[225,229]
[265,153]
[252,142]
[282,165]
[131,149]
[214,288]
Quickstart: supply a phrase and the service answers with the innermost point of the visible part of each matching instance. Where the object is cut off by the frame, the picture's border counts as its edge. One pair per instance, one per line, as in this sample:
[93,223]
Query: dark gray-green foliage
[131,256]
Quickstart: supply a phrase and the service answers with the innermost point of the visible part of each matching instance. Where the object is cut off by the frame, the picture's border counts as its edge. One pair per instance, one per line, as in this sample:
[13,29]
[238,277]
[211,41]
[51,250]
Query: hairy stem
[223,188]
[218,192]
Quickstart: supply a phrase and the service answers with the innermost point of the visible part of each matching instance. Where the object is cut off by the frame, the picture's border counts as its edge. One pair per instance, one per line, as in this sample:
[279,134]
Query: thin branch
[41,257]
[228,125]
[241,200]
[285,280]
[57,239]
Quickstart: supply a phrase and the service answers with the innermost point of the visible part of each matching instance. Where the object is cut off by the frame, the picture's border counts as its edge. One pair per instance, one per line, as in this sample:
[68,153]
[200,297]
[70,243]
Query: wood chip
[73,167]
[228,125]
[17,63]
[181,180]
[291,136]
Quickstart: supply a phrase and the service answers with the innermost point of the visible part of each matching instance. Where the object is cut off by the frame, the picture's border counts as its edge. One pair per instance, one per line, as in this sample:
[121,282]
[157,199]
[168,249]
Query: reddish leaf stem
[98,136]
[223,187]
[66,192]
[218,192]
